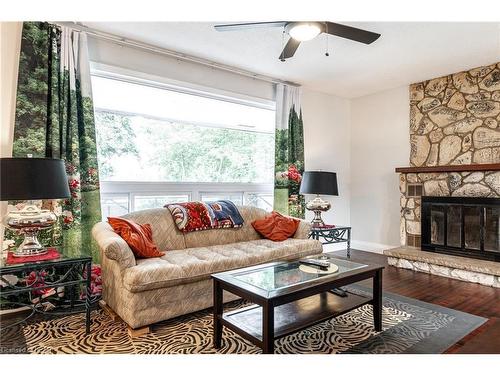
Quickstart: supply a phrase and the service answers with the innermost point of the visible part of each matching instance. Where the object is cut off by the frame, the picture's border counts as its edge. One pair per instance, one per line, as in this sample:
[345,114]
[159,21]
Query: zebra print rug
[410,326]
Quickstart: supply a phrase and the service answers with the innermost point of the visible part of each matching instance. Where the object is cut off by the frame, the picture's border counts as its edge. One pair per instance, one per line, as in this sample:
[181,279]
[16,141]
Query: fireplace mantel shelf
[450,168]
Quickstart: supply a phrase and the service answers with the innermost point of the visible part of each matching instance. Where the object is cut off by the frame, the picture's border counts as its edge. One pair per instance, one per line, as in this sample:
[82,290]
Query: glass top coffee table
[287,299]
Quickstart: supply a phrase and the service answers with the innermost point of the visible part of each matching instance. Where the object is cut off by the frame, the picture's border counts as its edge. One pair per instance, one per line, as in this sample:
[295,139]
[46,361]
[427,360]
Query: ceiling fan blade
[290,48]
[249,25]
[351,33]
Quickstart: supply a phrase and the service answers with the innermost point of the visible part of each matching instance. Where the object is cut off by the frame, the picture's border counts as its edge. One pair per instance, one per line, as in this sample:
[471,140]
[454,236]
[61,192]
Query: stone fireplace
[454,123]
[479,184]
[455,153]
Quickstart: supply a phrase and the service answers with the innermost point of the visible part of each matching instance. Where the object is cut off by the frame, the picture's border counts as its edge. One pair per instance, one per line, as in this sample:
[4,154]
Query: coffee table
[286,299]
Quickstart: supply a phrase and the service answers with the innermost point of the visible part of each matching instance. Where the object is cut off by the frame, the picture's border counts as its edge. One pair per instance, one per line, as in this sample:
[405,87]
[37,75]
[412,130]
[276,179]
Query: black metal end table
[332,234]
[30,278]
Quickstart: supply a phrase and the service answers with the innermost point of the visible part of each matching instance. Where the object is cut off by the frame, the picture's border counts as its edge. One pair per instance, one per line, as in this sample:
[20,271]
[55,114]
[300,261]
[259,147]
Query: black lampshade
[32,178]
[319,182]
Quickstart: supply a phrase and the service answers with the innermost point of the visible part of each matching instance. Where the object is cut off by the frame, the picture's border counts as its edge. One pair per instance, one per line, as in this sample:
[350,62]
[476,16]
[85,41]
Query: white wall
[362,140]
[10,45]
[327,143]
[379,143]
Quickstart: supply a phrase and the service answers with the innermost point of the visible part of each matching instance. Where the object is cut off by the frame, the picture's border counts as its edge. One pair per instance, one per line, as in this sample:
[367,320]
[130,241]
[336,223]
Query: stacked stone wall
[454,120]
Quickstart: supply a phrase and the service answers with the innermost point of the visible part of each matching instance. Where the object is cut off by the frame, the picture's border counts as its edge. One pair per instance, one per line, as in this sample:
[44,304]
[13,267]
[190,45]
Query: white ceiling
[405,53]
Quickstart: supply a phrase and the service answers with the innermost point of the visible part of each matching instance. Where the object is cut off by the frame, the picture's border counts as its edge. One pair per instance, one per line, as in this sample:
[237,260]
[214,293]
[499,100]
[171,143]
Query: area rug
[410,326]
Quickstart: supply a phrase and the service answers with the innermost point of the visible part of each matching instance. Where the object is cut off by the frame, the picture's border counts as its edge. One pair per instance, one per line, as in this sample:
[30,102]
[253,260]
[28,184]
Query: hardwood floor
[468,297]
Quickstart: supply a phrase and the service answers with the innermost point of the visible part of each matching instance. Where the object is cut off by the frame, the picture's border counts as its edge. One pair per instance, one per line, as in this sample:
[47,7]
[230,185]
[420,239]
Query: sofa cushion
[211,237]
[139,237]
[227,235]
[247,233]
[165,232]
[276,227]
[194,264]
[197,215]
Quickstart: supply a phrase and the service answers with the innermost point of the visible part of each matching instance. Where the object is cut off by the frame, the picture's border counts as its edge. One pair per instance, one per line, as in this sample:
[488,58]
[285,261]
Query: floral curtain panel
[55,119]
[289,154]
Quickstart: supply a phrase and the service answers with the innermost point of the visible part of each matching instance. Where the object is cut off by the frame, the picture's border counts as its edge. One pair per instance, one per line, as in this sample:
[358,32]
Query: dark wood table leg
[268,328]
[377,300]
[217,315]
[88,296]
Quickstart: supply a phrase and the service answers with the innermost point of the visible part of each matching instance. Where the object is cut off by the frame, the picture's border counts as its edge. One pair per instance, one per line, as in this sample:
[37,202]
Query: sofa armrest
[112,245]
[303,230]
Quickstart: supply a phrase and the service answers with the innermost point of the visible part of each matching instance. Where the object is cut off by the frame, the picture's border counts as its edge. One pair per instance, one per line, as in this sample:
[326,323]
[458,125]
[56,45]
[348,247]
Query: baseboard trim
[372,247]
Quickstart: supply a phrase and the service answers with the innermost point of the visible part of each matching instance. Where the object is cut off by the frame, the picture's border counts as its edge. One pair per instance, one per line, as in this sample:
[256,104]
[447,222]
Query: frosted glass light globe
[304,31]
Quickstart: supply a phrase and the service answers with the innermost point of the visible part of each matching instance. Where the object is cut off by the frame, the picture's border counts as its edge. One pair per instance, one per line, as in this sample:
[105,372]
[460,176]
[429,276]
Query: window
[114,204]
[260,200]
[237,198]
[142,202]
[160,144]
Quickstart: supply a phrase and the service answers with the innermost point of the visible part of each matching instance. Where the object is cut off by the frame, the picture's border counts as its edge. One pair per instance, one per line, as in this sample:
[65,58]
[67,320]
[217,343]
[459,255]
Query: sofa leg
[137,332]
[133,332]
[108,310]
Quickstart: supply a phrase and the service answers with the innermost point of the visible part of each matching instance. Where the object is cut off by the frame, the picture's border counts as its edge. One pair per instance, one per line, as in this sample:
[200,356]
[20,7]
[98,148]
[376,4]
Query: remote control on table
[321,264]
[339,292]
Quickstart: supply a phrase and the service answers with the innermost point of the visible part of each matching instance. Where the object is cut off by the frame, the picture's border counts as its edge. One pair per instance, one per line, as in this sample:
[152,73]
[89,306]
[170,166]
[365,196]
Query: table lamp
[31,179]
[319,183]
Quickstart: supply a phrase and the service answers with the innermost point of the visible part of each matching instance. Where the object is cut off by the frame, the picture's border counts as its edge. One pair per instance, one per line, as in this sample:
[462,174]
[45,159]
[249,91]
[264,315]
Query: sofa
[146,291]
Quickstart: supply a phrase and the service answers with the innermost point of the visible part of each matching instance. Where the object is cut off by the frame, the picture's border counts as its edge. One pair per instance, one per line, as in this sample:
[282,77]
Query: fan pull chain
[327,53]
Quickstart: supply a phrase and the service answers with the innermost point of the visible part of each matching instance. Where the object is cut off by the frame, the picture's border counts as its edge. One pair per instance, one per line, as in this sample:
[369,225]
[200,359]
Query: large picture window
[160,144]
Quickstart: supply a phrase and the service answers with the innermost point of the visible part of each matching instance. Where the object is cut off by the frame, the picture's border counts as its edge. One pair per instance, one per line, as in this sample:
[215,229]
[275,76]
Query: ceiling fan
[304,31]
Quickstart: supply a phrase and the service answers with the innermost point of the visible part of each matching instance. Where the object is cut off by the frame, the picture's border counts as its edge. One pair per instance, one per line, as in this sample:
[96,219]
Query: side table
[332,234]
[31,279]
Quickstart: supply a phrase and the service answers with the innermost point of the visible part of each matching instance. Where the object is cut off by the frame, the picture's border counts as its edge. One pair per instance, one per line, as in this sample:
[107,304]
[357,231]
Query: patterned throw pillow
[276,227]
[138,237]
[192,216]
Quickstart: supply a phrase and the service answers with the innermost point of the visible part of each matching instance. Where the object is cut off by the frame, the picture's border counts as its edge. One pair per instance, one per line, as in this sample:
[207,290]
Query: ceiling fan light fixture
[303,31]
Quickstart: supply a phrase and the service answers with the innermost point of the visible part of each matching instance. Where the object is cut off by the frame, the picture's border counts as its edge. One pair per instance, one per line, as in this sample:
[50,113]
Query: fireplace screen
[454,226]
[462,226]
[437,225]
[491,235]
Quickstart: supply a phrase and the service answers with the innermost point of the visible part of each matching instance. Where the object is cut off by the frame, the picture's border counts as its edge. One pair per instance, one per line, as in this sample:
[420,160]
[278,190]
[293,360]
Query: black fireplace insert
[463,226]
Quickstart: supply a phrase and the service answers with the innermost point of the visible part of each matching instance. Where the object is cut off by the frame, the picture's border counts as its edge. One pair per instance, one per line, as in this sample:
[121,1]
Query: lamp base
[30,246]
[29,221]
[317,221]
[318,205]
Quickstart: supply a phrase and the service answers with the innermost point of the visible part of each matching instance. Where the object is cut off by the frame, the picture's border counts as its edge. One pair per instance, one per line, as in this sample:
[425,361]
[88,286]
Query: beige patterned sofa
[145,291]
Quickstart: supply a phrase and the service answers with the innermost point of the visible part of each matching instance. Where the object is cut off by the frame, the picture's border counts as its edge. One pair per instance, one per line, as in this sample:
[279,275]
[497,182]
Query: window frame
[193,190]
[159,82]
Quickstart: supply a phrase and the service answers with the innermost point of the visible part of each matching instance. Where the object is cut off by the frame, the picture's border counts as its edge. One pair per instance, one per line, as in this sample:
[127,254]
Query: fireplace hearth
[464,226]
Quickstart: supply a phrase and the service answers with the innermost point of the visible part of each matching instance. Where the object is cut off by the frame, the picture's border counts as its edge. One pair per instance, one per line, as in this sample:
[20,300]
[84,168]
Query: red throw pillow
[276,227]
[138,237]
